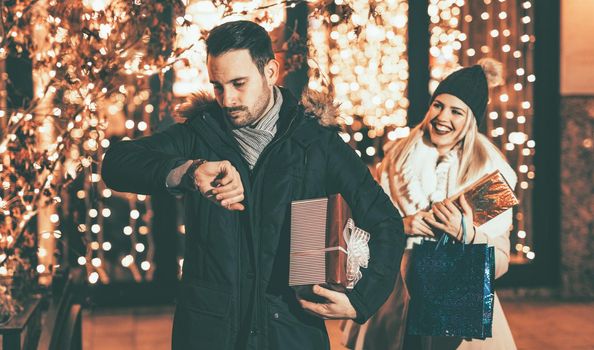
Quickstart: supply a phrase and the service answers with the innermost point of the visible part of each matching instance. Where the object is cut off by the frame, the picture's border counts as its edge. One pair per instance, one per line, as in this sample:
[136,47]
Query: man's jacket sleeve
[373,212]
[142,166]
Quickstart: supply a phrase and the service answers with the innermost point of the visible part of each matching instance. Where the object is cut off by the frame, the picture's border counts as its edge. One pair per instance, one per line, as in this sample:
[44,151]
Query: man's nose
[229,98]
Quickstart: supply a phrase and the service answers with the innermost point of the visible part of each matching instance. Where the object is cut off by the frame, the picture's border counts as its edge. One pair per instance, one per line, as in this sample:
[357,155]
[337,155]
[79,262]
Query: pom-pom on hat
[471,85]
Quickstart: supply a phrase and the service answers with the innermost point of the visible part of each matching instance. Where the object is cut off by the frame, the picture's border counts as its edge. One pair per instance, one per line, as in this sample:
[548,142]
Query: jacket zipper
[255,179]
[261,318]
[223,137]
[238,271]
[303,172]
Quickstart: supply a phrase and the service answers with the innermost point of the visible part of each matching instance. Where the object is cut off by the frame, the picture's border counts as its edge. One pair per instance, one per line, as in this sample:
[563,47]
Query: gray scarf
[254,138]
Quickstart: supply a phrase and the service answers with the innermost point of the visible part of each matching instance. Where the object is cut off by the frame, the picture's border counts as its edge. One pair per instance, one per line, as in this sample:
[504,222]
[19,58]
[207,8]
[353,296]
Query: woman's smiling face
[447,124]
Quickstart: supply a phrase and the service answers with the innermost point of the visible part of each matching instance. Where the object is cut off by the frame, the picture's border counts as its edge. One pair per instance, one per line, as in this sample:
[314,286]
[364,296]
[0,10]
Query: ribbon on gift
[357,252]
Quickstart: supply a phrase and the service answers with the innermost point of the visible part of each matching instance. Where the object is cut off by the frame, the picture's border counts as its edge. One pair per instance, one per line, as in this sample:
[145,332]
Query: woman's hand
[415,225]
[448,218]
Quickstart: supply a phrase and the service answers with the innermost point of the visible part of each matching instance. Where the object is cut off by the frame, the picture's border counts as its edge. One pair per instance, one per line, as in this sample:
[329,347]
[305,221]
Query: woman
[441,156]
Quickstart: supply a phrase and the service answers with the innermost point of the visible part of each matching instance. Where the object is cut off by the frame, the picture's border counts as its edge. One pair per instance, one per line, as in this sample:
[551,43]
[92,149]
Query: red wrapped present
[326,246]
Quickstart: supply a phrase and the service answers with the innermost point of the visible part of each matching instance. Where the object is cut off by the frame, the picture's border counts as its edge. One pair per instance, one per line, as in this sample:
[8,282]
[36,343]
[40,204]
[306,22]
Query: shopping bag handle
[445,237]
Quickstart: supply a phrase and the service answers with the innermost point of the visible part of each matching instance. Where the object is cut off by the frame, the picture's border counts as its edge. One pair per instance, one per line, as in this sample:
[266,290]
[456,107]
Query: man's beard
[240,116]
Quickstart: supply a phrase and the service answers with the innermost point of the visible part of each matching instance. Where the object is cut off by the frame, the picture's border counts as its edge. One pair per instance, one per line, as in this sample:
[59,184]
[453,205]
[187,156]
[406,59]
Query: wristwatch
[189,176]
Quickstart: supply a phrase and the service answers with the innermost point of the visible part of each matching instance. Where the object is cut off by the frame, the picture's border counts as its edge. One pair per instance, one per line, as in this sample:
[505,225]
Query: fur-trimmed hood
[321,106]
[316,105]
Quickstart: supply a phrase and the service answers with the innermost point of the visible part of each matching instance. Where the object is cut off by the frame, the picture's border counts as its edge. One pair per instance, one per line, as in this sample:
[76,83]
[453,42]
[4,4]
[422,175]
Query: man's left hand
[337,307]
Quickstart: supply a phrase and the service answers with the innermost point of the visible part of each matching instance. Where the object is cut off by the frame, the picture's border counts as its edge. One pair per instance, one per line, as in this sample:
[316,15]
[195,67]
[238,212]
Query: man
[241,160]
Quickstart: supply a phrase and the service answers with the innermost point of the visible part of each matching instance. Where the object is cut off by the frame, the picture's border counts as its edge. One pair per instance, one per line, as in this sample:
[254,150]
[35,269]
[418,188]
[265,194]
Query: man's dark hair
[240,35]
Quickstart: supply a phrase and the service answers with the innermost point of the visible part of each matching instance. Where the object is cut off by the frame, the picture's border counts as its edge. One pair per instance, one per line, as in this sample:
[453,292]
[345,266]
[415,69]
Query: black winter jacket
[234,291]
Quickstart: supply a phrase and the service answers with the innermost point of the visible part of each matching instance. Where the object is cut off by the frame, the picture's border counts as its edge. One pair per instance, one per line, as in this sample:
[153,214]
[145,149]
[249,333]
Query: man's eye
[238,84]
[218,88]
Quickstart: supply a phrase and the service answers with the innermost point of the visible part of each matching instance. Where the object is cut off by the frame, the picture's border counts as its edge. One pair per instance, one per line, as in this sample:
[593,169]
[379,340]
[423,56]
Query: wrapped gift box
[318,252]
[489,196]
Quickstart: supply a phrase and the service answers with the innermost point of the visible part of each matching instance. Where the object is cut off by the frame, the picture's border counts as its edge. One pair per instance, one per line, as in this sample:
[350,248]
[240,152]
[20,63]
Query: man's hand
[220,182]
[337,307]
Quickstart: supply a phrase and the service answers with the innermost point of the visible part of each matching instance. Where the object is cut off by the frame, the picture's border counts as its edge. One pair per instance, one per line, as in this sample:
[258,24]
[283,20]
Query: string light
[93,277]
[127,260]
[531,143]
[96,262]
[201,16]
[365,71]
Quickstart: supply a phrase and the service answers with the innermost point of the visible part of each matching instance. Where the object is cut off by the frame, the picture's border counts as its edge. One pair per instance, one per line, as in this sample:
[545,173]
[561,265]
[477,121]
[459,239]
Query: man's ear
[271,72]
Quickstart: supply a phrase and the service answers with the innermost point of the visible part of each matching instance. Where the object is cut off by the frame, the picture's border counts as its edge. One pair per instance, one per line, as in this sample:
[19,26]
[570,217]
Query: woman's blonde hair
[473,150]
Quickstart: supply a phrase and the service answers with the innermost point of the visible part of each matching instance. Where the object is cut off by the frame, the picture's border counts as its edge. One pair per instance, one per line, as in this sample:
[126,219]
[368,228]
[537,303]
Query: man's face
[240,89]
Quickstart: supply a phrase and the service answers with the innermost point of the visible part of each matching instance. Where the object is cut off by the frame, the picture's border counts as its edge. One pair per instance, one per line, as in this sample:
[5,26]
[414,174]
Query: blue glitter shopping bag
[451,289]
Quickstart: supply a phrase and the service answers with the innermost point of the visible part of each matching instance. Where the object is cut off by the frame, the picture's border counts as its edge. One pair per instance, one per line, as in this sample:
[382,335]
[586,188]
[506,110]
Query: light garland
[87,54]
[445,40]
[360,57]
[203,15]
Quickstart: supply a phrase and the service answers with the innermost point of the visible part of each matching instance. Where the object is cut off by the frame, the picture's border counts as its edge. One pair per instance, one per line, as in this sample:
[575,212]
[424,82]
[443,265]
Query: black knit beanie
[471,85]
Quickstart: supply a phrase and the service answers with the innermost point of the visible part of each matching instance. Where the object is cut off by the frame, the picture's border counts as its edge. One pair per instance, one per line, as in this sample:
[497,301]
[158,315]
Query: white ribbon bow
[357,252]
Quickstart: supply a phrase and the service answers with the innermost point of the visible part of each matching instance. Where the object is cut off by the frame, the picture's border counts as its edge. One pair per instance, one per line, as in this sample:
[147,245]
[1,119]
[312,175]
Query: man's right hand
[220,182]
[415,225]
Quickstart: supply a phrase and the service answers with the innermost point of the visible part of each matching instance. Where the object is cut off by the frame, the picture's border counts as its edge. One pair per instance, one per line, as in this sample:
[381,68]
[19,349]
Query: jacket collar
[315,105]
[202,111]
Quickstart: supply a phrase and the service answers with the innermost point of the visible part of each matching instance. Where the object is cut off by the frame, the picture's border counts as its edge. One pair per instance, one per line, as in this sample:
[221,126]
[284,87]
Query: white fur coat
[423,181]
